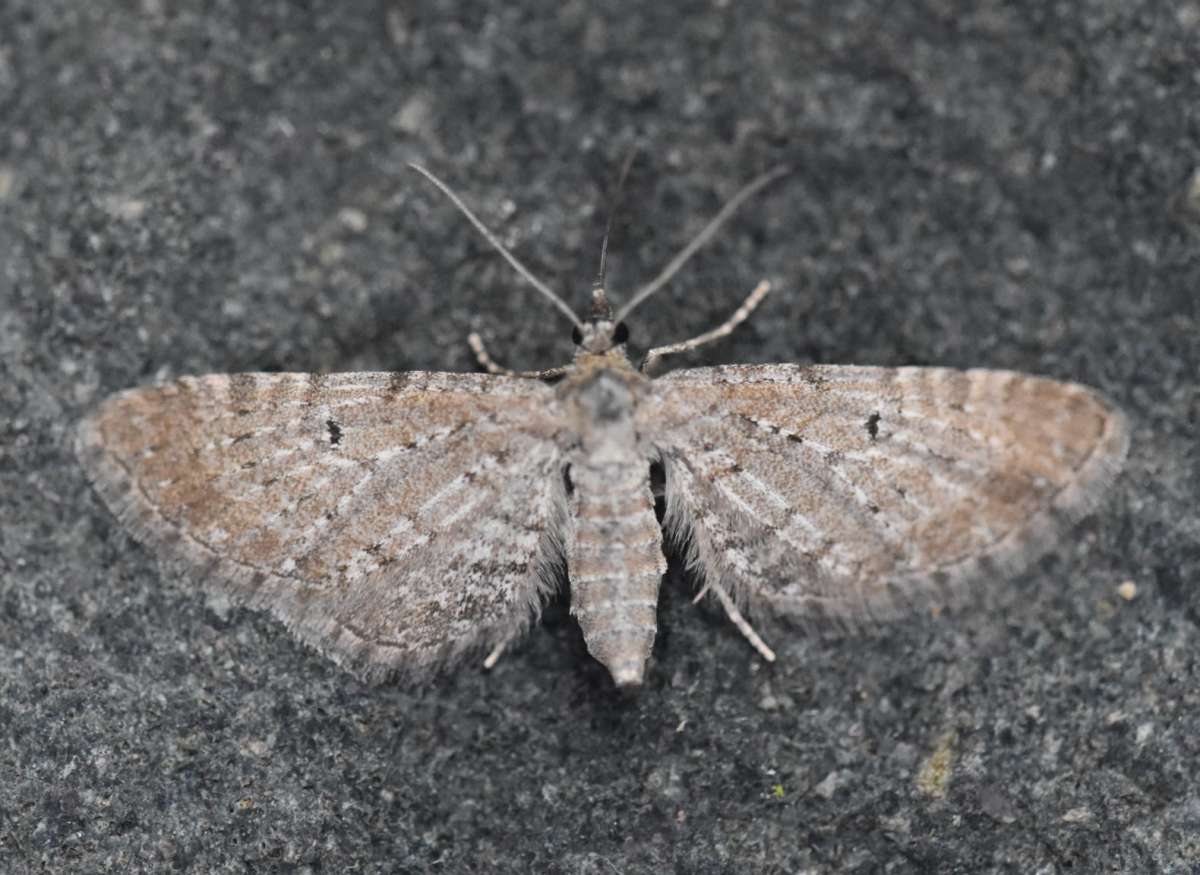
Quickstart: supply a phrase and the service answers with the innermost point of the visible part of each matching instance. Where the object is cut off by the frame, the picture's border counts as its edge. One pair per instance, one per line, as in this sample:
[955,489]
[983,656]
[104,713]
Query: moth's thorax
[606,399]
[601,395]
[611,368]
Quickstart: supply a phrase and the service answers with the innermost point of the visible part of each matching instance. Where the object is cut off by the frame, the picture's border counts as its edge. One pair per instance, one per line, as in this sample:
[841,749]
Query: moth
[397,521]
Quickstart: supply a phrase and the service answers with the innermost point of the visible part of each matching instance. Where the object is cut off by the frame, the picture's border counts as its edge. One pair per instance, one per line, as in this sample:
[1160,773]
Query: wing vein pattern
[392,521]
[846,492]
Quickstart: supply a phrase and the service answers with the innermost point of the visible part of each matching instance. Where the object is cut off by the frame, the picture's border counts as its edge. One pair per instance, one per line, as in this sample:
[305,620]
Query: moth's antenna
[499,247]
[612,211]
[700,239]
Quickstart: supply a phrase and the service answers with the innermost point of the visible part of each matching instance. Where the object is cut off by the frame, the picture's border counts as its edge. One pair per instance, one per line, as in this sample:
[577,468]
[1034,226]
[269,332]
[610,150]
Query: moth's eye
[621,333]
[576,336]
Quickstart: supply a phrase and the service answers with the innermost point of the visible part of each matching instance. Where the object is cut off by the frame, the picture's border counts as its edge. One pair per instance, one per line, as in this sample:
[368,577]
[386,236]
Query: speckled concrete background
[217,186]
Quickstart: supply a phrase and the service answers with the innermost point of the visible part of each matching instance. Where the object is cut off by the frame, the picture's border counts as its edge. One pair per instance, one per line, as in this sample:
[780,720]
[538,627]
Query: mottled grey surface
[190,187]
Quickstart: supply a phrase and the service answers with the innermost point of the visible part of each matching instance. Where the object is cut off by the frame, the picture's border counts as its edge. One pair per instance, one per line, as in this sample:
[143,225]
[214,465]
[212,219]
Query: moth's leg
[738,620]
[739,316]
[492,658]
[489,364]
[485,360]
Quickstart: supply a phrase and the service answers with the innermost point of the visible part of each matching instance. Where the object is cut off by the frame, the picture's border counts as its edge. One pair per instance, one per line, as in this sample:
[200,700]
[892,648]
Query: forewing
[852,491]
[391,521]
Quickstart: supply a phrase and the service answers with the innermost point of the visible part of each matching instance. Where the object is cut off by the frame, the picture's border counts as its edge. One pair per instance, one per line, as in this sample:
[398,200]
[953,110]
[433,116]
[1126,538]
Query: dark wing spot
[873,425]
[335,432]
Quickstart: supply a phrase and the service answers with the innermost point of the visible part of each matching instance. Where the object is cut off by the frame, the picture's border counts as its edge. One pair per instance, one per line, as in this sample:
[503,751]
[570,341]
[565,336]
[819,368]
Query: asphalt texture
[192,187]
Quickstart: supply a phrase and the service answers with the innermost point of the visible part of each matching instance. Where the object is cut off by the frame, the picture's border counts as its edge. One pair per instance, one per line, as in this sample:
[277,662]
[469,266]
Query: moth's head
[605,334]
[600,333]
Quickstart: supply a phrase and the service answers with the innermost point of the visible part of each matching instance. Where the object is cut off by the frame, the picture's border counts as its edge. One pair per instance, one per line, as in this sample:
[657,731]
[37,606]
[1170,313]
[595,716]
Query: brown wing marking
[392,521]
[853,491]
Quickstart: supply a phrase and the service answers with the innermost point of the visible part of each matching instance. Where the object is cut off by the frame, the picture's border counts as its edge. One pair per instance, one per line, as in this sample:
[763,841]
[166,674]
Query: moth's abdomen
[615,564]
